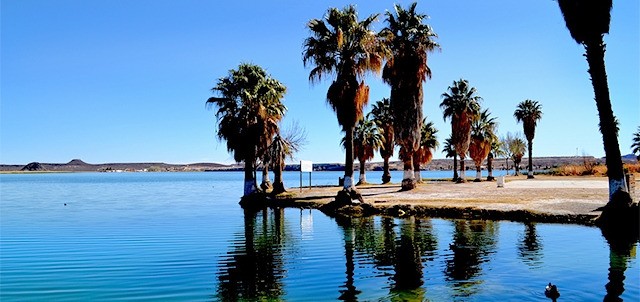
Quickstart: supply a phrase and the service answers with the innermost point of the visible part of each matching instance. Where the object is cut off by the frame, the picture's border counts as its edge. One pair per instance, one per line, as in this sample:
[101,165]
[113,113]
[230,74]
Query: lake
[183,237]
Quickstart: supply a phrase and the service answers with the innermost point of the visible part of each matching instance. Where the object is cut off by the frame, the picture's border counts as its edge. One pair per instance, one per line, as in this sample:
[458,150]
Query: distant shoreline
[77,165]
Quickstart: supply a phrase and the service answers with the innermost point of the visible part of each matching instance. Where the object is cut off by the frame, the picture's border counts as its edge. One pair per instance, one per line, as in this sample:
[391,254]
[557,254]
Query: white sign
[306,166]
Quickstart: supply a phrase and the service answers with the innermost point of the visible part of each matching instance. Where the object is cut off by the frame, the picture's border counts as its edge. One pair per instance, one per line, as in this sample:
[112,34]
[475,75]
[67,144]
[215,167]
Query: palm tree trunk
[455,167]
[363,177]
[608,126]
[416,169]
[249,178]
[348,161]
[506,162]
[408,178]
[266,183]
[278,184]
[386,175]
[462,177]
[530,173]
[490,167]
[478,174]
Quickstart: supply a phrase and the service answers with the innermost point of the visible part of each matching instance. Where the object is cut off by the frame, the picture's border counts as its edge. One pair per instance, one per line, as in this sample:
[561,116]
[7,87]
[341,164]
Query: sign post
[305,166]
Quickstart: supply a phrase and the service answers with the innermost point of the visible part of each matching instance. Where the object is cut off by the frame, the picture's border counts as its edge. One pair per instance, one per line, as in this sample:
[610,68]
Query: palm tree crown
[366,139]
[249,108]
[586,20]
[341,45]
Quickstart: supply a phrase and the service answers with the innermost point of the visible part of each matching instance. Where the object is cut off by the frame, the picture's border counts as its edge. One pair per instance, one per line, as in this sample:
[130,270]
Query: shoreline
[547,199]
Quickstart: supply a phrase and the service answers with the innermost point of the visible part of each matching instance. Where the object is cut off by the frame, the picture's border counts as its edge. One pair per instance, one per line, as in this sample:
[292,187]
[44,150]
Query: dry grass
[590,169]
[632,168]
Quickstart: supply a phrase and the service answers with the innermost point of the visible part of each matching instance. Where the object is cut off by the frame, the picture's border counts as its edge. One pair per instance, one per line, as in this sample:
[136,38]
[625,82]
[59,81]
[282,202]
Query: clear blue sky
[126,81]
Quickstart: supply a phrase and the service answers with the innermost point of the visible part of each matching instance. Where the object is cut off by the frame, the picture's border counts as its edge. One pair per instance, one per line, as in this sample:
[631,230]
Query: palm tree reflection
[622,248]
[397,250]
[348,291]
[473,242]
[253,270]
[529,248]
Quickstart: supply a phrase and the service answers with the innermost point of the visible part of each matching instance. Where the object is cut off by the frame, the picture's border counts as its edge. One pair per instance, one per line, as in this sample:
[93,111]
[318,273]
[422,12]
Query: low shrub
[590,169]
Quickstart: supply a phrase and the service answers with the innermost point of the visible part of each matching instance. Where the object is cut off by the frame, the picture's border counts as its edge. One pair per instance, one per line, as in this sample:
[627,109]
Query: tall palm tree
[450,151]
[366,141]
[281,148]
[496,151]
[482,137]
[635,146]
[428,144]
[249,108]
[341,45]
[382,116]
[588,22]
[410,40]
[461,104]
[529,113]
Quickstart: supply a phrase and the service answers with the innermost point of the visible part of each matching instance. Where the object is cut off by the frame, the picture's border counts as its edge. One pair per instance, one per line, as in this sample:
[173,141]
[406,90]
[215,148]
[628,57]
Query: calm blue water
[183,237]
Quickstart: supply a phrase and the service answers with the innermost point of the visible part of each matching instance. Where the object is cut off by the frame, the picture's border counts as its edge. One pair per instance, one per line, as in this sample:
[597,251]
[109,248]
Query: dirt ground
[548,195]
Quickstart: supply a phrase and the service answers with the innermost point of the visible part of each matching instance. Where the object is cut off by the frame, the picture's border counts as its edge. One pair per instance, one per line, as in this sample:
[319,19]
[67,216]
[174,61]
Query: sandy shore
[545,198]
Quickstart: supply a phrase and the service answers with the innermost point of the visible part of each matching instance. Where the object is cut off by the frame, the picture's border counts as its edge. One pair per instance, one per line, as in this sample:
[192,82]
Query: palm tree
[529,113]
[410,40]
[482,137]
[636,144]
[461,104]
[517,148]
[382,116]
[366,140]
[248,110]
[588,22]
[450,151]
[496,151]
[281,148]
[341,45]
[428,144]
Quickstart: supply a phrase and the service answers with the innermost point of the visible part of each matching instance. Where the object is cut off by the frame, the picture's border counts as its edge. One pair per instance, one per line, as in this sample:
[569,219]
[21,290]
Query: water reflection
[398,252]
[622,249]
[473,242]
[348,291]
[529,247]
[393,259]
[253,270]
